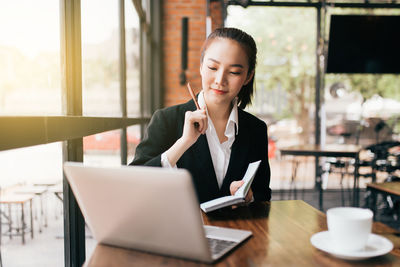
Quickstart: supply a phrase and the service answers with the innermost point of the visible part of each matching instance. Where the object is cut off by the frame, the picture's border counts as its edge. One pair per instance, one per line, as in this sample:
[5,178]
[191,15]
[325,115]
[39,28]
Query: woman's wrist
[175,152]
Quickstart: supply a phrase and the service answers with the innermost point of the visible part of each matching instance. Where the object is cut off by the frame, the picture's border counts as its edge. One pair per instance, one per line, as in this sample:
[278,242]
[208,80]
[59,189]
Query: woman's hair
[250,48]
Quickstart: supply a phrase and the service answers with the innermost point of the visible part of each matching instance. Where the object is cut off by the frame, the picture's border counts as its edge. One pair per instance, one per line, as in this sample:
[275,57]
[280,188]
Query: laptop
[148,209]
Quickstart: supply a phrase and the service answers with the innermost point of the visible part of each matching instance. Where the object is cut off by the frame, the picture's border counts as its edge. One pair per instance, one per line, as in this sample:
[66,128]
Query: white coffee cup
[349,228]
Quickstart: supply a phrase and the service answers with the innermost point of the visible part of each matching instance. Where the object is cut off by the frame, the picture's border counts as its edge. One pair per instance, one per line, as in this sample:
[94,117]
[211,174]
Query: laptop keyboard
[219,246]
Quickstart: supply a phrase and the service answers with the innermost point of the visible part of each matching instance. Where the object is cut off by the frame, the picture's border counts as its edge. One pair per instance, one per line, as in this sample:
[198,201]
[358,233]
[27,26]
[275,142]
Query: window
[30,58]
[103,149]
[361,108]
[31,78]
[285,77]
[100,58]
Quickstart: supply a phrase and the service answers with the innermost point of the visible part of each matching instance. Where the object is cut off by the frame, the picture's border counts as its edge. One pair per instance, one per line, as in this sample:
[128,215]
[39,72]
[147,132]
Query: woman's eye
[235,73]
[212,68]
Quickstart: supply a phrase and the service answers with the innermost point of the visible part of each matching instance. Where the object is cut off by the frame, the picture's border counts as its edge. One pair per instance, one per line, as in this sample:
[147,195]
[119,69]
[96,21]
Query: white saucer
[376,246]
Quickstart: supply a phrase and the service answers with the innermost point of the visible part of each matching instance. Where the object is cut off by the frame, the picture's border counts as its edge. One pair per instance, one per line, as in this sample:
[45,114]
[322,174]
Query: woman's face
[224,71]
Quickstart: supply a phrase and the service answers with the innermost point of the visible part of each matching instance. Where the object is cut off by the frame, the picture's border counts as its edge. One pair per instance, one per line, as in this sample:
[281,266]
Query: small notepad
[239,196]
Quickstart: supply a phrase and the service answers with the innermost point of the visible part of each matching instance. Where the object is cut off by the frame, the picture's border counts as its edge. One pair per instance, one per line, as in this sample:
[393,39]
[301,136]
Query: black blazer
[251,144]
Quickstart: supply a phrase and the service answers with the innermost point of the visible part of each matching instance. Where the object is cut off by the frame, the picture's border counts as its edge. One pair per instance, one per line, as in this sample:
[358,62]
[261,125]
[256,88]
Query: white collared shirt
[220,153]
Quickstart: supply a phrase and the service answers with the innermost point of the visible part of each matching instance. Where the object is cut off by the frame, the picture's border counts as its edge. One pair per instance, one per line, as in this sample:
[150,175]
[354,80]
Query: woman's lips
[219,92]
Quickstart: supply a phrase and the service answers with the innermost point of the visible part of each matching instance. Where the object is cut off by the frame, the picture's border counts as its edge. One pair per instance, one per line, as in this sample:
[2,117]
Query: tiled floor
[46,249]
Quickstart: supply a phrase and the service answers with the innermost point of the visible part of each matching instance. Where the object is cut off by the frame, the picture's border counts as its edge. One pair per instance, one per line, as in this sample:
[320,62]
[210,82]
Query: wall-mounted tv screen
[364,44]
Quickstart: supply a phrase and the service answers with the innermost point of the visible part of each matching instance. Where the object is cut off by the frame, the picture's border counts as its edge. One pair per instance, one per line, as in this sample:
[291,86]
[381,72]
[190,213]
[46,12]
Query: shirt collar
[233,117]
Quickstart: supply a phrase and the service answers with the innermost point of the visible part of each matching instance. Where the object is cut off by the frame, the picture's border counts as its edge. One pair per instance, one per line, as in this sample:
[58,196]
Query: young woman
[217,142]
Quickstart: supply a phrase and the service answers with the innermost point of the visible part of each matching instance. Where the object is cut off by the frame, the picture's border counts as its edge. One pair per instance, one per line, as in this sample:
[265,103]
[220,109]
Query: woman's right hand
[191,133]
[196,123]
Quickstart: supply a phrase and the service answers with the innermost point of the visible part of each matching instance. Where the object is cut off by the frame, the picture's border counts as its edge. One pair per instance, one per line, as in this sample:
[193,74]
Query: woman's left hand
[235,185]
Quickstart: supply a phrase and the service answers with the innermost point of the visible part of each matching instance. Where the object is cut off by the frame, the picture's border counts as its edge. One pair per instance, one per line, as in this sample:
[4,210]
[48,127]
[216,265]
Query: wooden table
[332,150]
[387,188]
[390,188]
[40,192]
[47,182]
[281,237]
[58,193]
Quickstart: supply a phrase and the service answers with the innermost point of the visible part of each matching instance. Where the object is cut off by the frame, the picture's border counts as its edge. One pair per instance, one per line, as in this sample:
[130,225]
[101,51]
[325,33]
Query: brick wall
[173,11]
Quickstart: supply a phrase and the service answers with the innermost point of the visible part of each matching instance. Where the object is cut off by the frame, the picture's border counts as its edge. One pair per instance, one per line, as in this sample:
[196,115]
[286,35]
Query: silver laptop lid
[145,208]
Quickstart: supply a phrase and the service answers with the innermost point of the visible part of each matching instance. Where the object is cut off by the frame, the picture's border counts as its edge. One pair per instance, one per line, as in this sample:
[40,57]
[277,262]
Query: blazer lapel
[203,156]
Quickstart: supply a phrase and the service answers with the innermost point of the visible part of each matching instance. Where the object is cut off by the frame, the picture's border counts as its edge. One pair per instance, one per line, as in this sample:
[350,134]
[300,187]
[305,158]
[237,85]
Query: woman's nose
[220,77]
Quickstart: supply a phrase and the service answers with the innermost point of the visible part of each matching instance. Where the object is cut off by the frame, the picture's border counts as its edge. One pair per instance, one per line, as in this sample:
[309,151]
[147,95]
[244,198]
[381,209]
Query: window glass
[361,108]
[30,58]
[32,173]
[133,134]
[132,59]
[100,58]
[102,149]
[285,79]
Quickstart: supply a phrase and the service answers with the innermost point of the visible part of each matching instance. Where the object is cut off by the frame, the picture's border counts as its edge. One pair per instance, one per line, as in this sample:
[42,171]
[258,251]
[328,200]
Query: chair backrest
[384,159]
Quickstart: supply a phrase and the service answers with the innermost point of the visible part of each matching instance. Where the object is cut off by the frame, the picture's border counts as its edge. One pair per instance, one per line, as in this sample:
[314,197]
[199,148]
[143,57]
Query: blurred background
[100,80]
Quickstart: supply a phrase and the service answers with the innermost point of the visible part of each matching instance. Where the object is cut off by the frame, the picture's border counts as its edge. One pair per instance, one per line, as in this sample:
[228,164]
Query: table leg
[44,210]
[41,214]
[23,225]
[372,197]
[356,188]
[341,186]
[31,219]
[9,221]
[318,183]
[59,195]
[295,165]
[321,198]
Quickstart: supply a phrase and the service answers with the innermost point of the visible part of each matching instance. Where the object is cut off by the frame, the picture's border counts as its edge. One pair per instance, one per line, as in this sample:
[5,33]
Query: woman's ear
[249,77]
